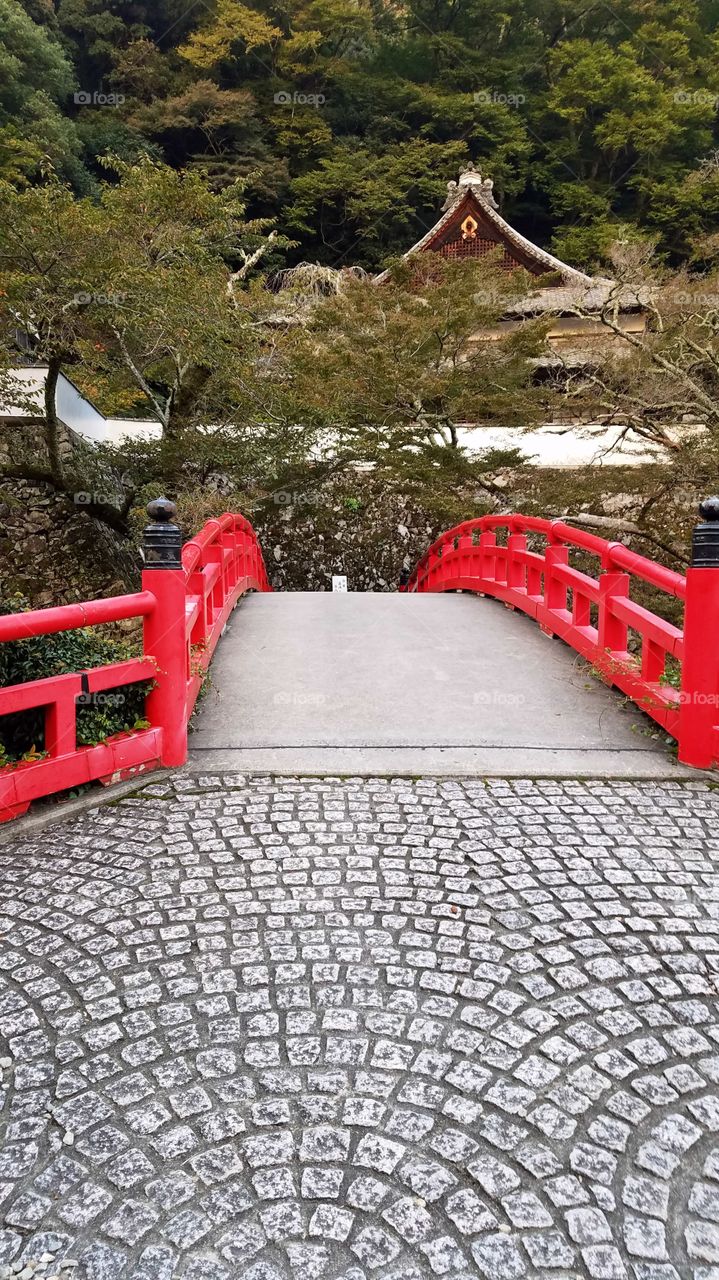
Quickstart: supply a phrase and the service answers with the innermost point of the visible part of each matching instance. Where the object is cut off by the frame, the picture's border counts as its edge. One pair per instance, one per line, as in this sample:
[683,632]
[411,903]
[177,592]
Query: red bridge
[670,672]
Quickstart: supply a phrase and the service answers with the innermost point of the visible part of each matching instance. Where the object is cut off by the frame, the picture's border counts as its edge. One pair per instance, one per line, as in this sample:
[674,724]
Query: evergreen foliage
[349,117]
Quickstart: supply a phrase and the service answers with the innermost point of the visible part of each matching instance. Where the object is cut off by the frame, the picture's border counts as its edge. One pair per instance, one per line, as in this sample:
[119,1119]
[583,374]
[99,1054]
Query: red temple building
[471,226]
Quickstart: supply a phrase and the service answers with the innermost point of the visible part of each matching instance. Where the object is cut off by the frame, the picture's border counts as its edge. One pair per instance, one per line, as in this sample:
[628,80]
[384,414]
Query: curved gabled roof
[471,226]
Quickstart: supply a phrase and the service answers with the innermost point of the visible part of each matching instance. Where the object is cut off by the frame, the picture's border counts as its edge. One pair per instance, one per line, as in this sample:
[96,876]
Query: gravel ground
[346,1030]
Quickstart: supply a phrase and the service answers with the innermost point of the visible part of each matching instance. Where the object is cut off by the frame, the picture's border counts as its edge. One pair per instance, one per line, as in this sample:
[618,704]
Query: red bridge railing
[595,615]
[187,596]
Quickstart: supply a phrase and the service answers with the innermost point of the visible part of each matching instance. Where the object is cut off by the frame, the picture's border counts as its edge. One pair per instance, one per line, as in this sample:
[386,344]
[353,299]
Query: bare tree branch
[249,260]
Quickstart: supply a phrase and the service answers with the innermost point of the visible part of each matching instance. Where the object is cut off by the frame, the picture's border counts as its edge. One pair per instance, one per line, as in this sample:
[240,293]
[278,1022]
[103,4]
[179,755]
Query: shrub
[22,734]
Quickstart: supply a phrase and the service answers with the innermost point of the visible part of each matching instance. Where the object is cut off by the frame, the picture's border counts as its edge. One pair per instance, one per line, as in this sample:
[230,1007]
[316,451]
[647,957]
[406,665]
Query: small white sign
[339,582]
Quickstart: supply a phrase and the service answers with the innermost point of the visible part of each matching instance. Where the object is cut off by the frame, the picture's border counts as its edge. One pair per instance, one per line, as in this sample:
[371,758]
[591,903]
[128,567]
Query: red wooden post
[465,548]
[699,711]
[581,610]
[534,581]
[241,552]
[196,588]
[434,571]
[487,554]
[516,567]
[229,541]
[213,555]
[612,631]
[165,633]
[555,593]
[654,658]
[60,727]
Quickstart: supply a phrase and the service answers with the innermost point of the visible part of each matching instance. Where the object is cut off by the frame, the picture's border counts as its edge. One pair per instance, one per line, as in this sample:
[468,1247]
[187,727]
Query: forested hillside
[349,117]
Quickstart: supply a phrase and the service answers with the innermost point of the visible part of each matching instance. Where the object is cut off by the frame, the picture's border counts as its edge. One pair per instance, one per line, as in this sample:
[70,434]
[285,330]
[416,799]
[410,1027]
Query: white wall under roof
[78,413]
[75,410]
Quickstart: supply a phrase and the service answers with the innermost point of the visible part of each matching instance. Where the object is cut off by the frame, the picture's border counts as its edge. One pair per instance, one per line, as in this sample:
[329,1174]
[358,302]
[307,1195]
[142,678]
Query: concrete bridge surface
[442,684]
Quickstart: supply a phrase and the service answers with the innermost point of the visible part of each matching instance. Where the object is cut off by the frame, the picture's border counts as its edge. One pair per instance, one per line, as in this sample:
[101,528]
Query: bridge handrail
[613,555]
[186,598]
[70,617]
[597,619]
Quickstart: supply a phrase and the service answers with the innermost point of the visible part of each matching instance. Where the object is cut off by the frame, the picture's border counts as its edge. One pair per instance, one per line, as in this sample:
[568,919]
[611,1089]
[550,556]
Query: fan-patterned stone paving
[347,1030]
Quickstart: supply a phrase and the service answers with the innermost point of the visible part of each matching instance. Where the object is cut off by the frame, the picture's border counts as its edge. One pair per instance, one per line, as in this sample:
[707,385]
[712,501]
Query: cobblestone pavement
[341,1029]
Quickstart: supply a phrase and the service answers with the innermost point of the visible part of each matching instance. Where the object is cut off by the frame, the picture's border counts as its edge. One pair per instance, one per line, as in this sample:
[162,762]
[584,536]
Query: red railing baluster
[612,631]
[534,579]
[434,570]
[229,542]
[465,549]
[581,610]
[552,613]
[516,568]
[653,661]
[60,731]
[487,555]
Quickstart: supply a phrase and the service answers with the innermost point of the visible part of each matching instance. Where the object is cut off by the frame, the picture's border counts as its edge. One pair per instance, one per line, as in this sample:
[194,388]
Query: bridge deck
[322,683]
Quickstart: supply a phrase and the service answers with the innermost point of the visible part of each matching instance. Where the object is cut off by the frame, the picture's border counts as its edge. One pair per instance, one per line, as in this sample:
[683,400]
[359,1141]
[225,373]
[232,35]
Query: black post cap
[161,510]
[705,538]
[162,541]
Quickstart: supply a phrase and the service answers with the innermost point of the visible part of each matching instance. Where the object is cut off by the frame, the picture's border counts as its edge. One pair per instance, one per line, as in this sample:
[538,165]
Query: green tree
[347,117]
[142,291]
[629,107]
[36,79]
[586,116]
[390,371]
[232,23]
[215,128]
[99,32]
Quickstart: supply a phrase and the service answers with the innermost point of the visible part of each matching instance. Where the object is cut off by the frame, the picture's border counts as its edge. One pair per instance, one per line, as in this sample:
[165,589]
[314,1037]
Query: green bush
[22,735]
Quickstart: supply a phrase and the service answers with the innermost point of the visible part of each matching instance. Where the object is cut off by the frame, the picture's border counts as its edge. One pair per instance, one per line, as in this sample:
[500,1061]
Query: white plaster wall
[117,429]
[78,413]
[74,410]
[560,445]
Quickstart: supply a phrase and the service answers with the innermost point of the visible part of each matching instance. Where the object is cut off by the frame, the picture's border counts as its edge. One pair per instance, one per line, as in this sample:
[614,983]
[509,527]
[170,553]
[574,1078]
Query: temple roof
[472,227]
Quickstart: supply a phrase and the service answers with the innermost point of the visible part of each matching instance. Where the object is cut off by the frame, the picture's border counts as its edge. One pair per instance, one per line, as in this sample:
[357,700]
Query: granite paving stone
[363,1029]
